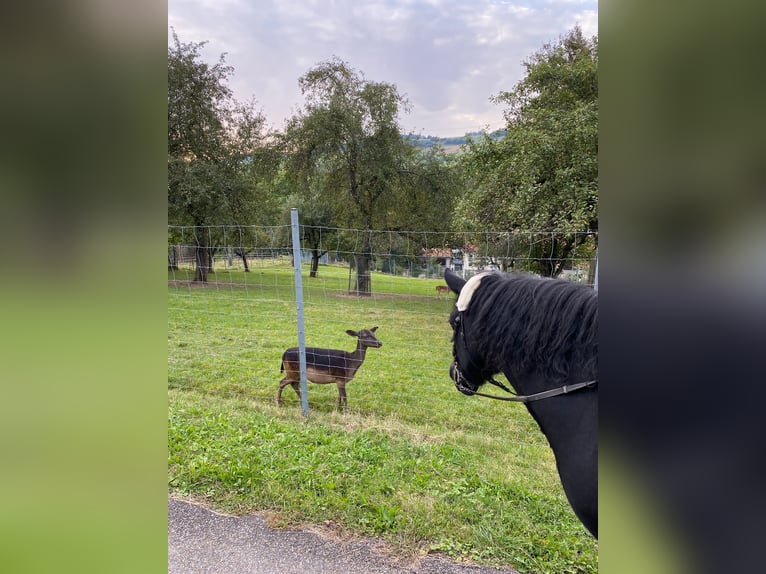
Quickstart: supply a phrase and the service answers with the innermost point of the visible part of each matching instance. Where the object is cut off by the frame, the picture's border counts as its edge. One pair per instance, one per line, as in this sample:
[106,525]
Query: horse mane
[527,324]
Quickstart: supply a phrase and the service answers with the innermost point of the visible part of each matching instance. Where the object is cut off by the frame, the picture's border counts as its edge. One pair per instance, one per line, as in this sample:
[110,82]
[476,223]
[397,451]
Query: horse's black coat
[541,334]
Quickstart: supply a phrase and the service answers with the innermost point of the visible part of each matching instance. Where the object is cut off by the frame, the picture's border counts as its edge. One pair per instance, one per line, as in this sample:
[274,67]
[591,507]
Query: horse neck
[562,419]
[570,424]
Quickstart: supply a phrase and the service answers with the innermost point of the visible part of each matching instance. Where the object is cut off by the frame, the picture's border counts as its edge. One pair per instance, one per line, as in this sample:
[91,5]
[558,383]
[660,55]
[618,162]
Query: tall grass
[414,461]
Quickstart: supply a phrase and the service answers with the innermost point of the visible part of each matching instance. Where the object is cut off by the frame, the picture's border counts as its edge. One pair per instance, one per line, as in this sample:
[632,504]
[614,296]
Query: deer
[442,289]
[325,366]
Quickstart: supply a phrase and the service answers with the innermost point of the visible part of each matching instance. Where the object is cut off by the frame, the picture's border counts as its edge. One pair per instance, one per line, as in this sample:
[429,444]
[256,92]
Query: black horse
[542,335]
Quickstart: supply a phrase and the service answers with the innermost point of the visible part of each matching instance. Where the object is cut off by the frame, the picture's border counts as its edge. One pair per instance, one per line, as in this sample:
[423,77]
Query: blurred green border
[681,199]
[83,415]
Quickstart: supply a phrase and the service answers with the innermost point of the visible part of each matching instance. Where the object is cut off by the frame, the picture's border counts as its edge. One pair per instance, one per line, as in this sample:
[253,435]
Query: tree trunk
[173,258]
[567,246]
[243,256]
[203,255]
[547,267]
[202,263]
[315,257]
[560,251]
[210,257]
[363,285]
[314,261]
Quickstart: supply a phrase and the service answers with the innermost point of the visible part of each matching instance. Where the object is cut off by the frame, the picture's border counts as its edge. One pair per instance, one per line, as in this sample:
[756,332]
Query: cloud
[447,56]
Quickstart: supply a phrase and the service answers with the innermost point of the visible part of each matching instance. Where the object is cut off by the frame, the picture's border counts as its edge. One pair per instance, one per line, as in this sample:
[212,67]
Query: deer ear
[352,333]
[375,328]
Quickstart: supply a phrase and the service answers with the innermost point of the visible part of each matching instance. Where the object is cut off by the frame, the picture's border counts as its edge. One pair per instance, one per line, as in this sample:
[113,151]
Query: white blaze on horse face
[464,299]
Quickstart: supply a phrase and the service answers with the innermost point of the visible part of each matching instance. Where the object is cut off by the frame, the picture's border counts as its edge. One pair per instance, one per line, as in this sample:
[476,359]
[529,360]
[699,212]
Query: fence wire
[226,335]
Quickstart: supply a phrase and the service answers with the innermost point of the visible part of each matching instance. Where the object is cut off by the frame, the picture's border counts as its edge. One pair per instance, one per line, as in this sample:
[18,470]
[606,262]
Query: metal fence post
[595,281]
[299,307]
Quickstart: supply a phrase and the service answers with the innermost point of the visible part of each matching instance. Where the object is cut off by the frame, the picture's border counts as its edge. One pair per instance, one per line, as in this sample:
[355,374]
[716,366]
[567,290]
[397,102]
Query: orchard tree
[543,175]
[348,139]
[216,150]
[348,156]
[426,191]
[316,220]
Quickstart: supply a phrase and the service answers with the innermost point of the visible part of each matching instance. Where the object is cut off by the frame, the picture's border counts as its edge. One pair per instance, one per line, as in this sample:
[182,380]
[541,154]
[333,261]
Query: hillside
[450,144]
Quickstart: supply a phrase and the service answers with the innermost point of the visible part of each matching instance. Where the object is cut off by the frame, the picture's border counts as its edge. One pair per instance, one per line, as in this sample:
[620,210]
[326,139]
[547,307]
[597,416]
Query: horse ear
[375,328]
[454,281]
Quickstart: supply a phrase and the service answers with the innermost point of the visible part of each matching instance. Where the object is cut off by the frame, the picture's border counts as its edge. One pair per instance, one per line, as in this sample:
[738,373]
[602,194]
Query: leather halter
[562,390]
[558,391]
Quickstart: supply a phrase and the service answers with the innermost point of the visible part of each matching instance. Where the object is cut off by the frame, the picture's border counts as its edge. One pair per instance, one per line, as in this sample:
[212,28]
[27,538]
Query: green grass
[413,462]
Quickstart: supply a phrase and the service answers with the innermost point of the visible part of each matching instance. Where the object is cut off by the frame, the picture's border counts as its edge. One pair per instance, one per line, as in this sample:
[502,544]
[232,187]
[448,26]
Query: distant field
[452,148]
[414,462]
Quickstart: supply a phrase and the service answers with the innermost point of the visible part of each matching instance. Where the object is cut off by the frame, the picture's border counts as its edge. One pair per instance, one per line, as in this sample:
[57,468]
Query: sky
[447,57]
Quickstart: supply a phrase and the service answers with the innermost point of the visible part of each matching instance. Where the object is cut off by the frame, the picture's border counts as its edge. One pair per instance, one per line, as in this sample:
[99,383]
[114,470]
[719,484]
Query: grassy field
[413,462]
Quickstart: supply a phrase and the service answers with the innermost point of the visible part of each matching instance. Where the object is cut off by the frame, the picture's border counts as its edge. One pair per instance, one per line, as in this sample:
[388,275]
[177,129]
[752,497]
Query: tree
[214,147]
[543,175]
[351,164]
[347,143]
[316,224]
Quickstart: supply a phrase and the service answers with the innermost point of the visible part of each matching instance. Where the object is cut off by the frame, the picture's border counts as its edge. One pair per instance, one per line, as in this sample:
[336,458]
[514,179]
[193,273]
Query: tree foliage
[218,160]
[543,175]
[347,157]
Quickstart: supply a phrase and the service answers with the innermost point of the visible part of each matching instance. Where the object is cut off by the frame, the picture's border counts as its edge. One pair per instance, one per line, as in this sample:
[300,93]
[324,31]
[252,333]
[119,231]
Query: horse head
[468,369]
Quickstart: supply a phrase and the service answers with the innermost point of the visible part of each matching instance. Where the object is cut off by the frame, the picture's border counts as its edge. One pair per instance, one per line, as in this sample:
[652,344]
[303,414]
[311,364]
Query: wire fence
[226,334]
[408,253]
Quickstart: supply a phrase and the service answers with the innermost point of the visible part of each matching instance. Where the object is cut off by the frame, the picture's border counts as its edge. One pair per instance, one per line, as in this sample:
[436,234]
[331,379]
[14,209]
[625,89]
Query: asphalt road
[202,541]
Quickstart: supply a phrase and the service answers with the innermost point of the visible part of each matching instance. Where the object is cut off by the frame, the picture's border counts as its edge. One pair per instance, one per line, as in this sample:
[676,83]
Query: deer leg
[282,384]
[297,388]
[342,400]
